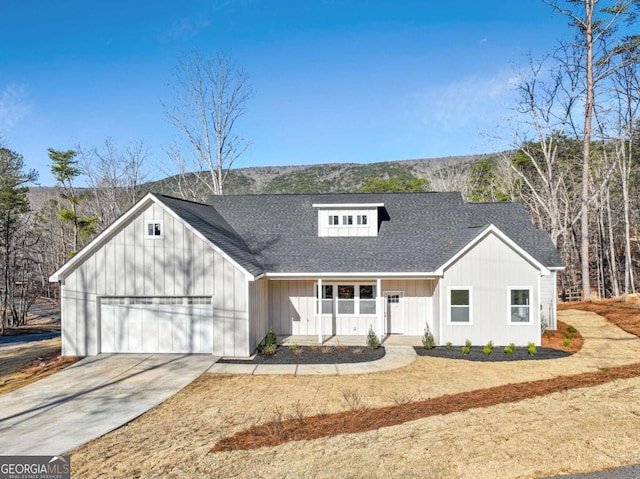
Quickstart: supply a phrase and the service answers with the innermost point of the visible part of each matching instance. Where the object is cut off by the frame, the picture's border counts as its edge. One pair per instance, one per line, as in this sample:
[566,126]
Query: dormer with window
[349,219]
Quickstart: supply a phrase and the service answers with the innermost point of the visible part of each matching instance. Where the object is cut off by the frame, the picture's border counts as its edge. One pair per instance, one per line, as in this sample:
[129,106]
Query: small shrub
[466,349]
[531,349]
[372,340]
[449,346]
[487,349]
[510,349]
[567,341]
[270,338]
[467,343]
[428,342]
[572,330]
[569,336]
[268,349]
[293,346]
[353,399]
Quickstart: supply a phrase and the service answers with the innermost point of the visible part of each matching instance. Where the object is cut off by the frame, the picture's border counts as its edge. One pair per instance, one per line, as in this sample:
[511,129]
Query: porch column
[379,312]
[319,305]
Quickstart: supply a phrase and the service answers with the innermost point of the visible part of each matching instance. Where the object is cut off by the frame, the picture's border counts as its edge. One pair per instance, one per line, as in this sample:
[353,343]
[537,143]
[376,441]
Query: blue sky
[334,81]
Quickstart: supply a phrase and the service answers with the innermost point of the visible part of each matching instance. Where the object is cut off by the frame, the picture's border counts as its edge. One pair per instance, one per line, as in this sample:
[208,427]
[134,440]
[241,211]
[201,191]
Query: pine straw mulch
[26,365]
[555,339]
[623,311]
[298,428]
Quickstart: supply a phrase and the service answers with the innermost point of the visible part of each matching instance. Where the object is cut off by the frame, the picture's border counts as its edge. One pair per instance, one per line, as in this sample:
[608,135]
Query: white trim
[531,321]
[319,309]
[482,235]
[557,268]
[347,205]
[98,241]
[459,323]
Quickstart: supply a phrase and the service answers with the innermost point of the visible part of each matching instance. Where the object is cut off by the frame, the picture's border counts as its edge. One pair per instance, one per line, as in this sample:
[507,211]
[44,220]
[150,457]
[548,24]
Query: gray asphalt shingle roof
[215,228]
[279,233]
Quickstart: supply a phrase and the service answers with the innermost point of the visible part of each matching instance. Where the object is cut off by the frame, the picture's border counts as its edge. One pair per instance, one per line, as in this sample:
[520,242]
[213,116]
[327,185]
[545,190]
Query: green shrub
[531,349]
[372,340]
[270,343]
[467,343]
[487,349]
[572,330]
[510,349]
[268,349]
[466,349]
[271,338]
[428,342]
[569,336]
[449,346]
[293,346]
[567,341]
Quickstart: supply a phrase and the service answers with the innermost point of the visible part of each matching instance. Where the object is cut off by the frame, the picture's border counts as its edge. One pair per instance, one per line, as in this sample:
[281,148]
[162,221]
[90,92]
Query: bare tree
[595,29]
[211,95]
[114,175]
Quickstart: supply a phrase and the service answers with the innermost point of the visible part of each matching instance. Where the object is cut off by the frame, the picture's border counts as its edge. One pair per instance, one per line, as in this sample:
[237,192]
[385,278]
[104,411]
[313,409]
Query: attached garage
[156,324]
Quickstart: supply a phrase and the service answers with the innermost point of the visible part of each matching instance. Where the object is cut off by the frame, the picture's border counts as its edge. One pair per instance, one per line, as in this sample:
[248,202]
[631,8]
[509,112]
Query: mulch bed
[314,355]
[498,354]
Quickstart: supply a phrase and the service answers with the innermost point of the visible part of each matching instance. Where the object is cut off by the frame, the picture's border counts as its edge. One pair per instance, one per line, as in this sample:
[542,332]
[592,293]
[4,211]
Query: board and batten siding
[177,264]
[292,309]
[489,269]
[548,300]
[258,311]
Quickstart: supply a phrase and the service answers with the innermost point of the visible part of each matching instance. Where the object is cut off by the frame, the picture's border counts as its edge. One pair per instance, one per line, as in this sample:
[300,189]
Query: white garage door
[156,325]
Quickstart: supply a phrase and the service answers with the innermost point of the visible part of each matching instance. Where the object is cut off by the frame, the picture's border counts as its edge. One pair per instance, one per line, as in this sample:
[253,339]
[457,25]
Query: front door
[395,312]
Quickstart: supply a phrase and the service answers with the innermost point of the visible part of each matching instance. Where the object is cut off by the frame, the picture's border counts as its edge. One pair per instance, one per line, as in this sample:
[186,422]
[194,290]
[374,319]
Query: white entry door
[395,311]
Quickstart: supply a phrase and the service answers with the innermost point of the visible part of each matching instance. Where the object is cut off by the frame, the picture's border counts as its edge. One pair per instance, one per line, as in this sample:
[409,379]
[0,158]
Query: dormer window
[154,229]
[348,219]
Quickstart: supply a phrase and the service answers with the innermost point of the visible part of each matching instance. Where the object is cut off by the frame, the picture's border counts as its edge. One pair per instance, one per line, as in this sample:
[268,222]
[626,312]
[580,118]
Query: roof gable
[200,219]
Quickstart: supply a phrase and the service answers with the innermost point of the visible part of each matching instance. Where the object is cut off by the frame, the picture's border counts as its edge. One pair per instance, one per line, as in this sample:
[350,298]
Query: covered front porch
[345,309]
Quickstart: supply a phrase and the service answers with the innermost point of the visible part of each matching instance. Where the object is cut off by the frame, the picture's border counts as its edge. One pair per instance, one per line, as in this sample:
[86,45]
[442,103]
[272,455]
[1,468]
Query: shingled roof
[419,232]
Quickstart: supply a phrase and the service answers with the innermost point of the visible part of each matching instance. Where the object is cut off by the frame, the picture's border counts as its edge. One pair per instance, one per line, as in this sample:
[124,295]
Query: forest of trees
[574,164]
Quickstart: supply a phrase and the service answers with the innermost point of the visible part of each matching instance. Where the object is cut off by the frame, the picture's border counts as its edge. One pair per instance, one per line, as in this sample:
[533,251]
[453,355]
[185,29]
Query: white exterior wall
[178,264]
[418,304]
[292,308]
[548,300]
[489,269]
[258,311]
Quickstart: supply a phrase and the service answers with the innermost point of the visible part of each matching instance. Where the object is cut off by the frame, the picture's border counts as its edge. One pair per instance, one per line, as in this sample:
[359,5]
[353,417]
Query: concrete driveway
[91,398]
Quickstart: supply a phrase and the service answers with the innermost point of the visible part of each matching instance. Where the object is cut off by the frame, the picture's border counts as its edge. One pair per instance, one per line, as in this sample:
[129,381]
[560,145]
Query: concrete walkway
[395,357]
[89,399]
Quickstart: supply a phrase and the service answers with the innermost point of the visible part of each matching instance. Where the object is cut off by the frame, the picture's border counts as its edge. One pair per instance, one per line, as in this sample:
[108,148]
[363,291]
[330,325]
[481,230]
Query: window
[361,220]
[460,305]
[367,299]
[346,299]
[333,220]
[519,305]
[154,229]
[347,220]
[327,299]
